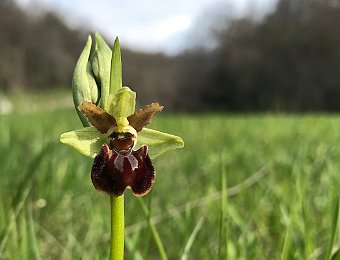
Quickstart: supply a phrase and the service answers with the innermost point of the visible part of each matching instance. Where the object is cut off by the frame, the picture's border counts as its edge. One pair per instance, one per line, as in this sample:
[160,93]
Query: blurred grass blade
[288,240]
[6,232]
[131,245]
[148,235]
[31,170]
[307,230]
[336,255]
[223,229]
[202,201]
[23,190]
[23,238]
[155,234]
[335,218]
[191,239]
[32,234]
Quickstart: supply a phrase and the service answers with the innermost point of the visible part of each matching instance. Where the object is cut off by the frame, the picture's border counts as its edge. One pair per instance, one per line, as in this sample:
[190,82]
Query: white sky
[148,25]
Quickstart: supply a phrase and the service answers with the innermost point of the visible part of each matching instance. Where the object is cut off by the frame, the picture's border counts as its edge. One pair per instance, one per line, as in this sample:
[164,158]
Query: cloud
[149,25]
[170,26]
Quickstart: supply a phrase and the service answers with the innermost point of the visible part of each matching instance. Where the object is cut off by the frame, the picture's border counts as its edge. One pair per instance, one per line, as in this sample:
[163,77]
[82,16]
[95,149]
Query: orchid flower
[115,134]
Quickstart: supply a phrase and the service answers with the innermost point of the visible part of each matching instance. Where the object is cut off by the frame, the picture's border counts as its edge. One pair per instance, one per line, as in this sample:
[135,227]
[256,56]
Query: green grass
[283,186]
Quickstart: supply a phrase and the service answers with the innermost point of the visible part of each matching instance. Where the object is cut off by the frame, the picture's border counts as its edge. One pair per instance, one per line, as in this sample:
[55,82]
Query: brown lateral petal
[143,116]
[112,173]
[98,117]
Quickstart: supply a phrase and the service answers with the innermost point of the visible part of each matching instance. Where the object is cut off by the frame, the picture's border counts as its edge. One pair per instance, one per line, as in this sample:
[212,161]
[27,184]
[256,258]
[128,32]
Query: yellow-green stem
[117,228]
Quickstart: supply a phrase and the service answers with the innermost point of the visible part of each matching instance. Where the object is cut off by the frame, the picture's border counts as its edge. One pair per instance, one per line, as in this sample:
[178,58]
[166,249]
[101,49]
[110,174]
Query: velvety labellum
[112,172]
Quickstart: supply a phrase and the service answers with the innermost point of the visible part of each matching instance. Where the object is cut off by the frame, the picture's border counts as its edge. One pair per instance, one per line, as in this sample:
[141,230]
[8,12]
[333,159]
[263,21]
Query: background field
[249,184]
[280,169]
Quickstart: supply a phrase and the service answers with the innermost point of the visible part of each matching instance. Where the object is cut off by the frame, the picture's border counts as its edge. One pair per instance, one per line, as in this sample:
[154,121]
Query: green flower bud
[101,66]
[84,87]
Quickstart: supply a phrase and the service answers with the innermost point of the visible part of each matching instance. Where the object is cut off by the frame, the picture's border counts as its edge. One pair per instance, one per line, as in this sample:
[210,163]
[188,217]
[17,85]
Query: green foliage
[282,172]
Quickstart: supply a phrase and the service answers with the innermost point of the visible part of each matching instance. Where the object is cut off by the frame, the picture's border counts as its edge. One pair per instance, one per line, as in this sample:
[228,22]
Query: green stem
[117,228]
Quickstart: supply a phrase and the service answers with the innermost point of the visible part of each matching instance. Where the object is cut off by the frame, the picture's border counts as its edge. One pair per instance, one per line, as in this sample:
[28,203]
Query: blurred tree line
[289,60]
[36,51]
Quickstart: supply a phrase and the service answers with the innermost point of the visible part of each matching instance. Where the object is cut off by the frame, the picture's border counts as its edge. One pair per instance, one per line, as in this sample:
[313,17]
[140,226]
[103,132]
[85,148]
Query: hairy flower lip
[112,173]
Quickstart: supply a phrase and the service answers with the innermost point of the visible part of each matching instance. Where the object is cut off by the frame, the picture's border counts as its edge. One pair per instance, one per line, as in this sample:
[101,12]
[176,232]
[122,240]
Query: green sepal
[87,141]
[116,69]
[123,103]
[101,66]
[158,142]
[84,87]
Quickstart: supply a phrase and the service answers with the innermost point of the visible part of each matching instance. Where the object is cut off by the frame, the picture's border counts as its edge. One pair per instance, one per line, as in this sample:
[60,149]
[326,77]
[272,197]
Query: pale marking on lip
[133,162]
[119,162]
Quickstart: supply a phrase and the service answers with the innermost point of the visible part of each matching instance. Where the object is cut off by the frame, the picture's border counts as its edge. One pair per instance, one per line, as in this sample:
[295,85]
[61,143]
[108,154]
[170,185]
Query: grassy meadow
[281,174]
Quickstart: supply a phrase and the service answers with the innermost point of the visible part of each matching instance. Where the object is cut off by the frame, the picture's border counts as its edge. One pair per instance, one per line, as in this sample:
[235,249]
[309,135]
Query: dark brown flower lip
[112,173]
